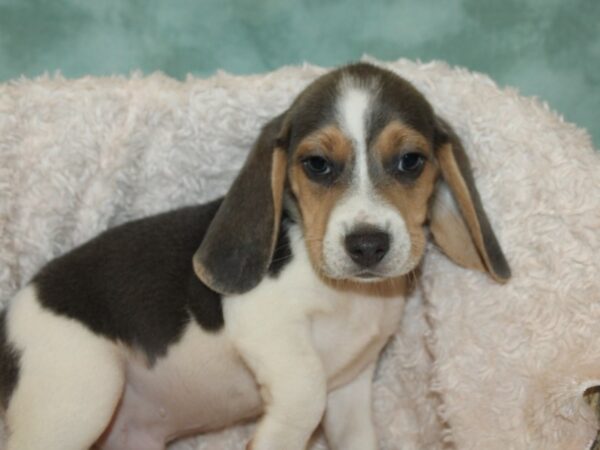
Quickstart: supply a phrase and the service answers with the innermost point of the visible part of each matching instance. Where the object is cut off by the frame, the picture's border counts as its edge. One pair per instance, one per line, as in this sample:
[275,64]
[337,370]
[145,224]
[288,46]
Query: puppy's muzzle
[367,246]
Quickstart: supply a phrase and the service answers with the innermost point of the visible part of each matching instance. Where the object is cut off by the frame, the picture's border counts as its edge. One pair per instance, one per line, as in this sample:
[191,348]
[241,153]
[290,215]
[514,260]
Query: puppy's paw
[249,445]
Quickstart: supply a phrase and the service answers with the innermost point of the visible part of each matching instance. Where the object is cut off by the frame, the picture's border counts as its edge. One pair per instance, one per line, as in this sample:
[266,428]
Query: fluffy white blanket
[475,364]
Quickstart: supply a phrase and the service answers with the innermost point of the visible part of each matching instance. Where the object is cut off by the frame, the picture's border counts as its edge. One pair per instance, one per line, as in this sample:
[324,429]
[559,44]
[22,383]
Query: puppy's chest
[350,335]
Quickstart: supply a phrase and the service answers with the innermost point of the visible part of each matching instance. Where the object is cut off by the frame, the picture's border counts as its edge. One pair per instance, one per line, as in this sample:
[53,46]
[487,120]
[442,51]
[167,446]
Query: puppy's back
[135,283]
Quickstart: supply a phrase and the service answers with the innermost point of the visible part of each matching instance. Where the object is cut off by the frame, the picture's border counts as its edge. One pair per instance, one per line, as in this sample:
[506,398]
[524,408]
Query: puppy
[273,301]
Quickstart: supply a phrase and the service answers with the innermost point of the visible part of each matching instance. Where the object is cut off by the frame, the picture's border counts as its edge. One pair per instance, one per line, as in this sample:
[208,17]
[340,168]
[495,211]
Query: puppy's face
[355,160]
[361,171]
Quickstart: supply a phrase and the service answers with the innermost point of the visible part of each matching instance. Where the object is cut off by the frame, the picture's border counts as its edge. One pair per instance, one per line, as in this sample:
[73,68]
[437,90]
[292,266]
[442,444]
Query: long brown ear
[457,219]
[238,246]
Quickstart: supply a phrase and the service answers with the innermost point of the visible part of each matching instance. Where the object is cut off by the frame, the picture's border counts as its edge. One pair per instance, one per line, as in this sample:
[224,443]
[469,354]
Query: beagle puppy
[274,301]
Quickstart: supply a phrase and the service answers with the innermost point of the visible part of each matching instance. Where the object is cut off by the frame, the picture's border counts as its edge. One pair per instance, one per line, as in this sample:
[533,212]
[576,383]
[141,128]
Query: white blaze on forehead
[352,109]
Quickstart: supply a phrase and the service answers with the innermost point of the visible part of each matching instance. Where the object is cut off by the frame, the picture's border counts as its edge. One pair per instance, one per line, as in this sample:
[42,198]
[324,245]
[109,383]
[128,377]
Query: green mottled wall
[548,48]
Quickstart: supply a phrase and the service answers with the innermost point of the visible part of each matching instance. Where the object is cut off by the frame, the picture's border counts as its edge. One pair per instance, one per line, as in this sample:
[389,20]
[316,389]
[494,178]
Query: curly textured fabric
[475,364]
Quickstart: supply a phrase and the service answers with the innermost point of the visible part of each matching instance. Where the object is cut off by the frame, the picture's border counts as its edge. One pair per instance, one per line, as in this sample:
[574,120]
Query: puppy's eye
[411,164]
[317,166]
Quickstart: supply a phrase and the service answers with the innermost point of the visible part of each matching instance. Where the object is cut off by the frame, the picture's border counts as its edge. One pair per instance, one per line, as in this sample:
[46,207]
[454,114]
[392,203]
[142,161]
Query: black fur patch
[9,364]
[283,250]
[135,283]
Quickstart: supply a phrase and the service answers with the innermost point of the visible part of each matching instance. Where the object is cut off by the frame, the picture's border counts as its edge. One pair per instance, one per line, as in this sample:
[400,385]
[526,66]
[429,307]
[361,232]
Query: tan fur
[329,141]
[317,201]
[202,272]
[412,202]
[449,232]
[453,237]
[396,136]
[410,199]
[278,173]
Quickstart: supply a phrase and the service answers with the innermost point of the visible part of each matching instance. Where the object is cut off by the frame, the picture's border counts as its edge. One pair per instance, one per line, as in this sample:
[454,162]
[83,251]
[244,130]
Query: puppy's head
[363,164]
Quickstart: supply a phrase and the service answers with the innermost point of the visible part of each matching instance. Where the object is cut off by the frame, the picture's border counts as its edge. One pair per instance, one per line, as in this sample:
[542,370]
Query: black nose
[367,247]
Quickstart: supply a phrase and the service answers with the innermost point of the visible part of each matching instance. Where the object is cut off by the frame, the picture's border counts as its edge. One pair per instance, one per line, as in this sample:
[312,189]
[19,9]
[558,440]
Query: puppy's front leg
[348,423]
[293,388]
[279,351]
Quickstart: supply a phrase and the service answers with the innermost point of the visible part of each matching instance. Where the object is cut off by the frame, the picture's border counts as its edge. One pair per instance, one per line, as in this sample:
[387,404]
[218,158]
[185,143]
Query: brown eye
[317,166]
[411,164]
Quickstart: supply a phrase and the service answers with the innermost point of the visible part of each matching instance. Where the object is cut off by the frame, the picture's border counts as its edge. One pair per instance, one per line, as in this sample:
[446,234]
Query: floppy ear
[458,221]
[238,246]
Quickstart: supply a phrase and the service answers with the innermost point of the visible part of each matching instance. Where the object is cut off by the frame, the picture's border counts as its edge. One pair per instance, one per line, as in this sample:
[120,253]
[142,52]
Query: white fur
[348,421]
[504,366]
[69,383]
[352,112]
[201,385]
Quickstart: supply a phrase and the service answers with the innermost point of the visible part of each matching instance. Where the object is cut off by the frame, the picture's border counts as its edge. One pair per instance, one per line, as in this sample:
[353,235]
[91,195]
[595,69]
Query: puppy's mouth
[360,275]
[377,274]
[368,275]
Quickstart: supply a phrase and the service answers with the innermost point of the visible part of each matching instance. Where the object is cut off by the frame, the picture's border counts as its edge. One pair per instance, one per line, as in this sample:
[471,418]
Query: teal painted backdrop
[547,48]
